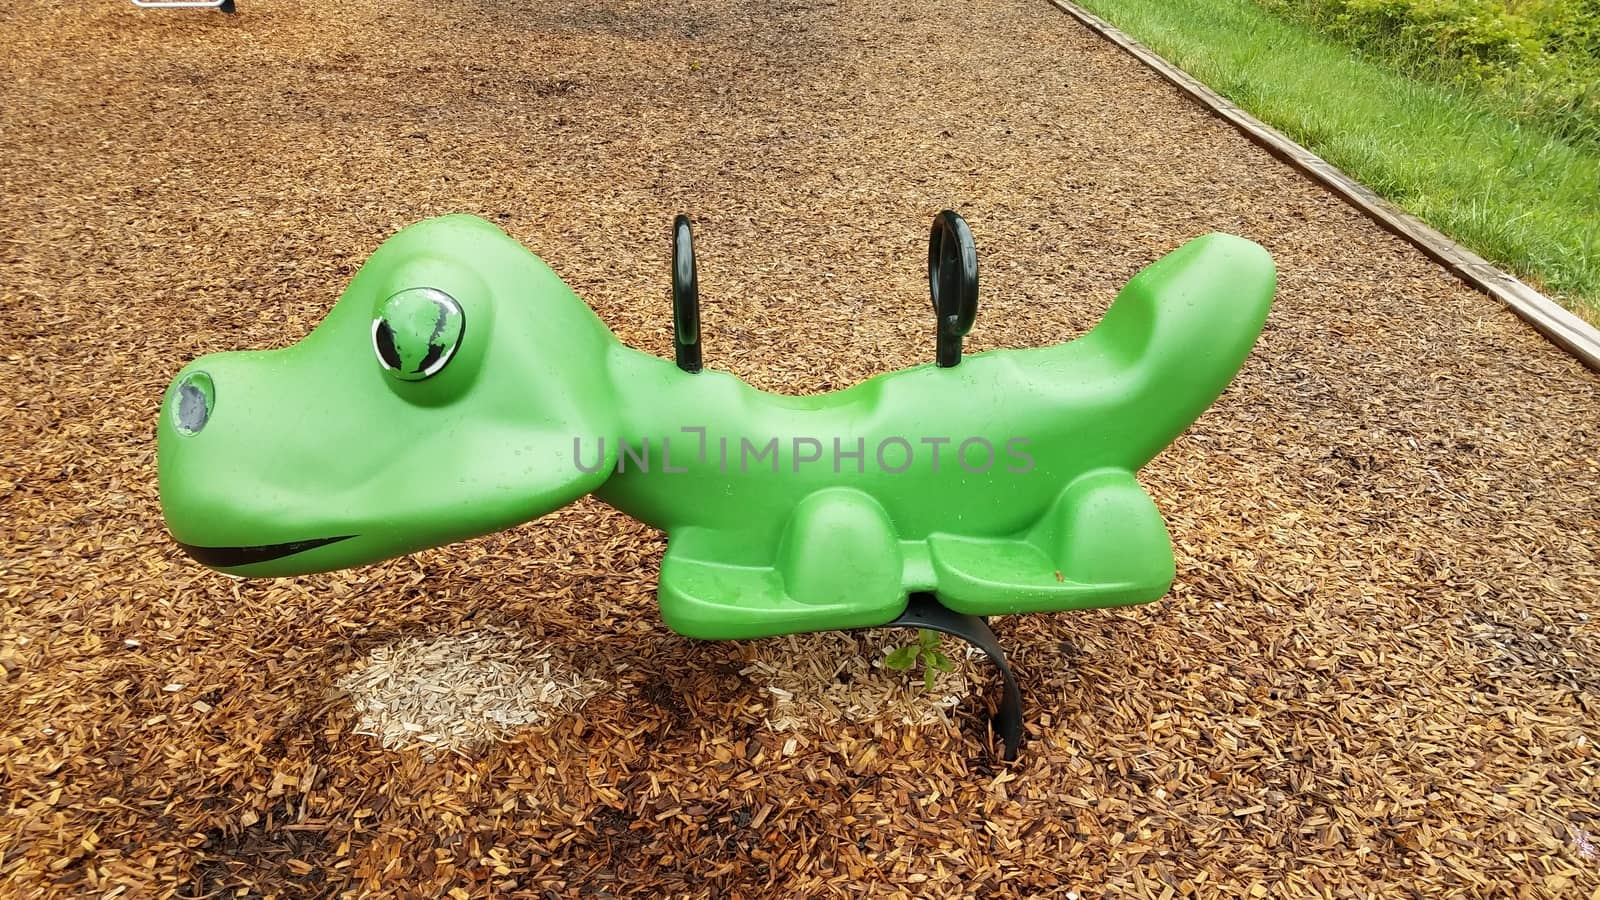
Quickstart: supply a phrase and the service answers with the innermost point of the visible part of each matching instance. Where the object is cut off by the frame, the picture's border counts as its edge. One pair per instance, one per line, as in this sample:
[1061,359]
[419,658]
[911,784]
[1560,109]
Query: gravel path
[1376,675]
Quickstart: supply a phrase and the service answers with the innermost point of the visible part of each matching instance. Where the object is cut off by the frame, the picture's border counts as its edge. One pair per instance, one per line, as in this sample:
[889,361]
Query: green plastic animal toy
[459,387]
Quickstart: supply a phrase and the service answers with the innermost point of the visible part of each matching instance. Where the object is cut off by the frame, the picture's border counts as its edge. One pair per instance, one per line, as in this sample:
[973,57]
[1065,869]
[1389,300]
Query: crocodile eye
[196,396]
[416,332]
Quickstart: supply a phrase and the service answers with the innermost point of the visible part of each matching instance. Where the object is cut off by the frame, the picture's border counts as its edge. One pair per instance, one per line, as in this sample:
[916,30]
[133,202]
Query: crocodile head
[440,399]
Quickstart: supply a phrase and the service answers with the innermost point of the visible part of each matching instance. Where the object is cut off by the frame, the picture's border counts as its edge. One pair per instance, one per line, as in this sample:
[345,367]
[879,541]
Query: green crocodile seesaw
[459,387]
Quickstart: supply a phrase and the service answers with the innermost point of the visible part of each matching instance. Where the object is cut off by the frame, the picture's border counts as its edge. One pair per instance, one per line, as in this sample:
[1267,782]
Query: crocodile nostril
[196,395]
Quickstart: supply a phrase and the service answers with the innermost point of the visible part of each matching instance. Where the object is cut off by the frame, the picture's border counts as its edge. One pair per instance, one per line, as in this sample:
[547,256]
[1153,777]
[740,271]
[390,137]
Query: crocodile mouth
[233,557]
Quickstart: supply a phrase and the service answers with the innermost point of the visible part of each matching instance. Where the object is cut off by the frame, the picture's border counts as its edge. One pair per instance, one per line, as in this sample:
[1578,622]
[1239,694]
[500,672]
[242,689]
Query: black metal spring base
[925,611]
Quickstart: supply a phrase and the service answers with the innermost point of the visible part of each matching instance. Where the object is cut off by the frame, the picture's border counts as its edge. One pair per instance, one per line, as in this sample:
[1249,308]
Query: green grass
[1515,193]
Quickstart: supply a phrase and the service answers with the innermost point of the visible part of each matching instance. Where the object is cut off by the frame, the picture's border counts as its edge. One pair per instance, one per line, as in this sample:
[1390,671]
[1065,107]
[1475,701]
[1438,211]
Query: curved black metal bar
[925,611]
[685,297]
[952,283]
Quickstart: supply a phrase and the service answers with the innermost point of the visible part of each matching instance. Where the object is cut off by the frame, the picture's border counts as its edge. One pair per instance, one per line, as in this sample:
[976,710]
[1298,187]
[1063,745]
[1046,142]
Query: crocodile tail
[1175,336]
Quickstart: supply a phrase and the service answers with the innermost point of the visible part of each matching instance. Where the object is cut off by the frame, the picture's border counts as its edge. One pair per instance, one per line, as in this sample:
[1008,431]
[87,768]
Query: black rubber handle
[685,297]
[952,282]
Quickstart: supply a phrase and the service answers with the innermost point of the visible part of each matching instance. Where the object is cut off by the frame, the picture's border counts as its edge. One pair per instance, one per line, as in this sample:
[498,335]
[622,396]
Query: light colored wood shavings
[461,692]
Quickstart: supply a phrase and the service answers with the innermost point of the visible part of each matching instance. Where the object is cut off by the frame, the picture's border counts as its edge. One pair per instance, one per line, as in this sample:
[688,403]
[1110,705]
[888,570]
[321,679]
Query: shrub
[1537,59]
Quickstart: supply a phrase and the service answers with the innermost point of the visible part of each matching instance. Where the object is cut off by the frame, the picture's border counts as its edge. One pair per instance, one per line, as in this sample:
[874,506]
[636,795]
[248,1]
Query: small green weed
[926,649]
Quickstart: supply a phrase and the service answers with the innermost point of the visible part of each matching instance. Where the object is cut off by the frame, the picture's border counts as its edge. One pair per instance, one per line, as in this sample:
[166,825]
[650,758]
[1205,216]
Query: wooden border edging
[1562,327]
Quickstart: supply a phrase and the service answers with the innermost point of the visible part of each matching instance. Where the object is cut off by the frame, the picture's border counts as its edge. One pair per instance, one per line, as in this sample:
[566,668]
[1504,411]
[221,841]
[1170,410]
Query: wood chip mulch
[1377,673]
